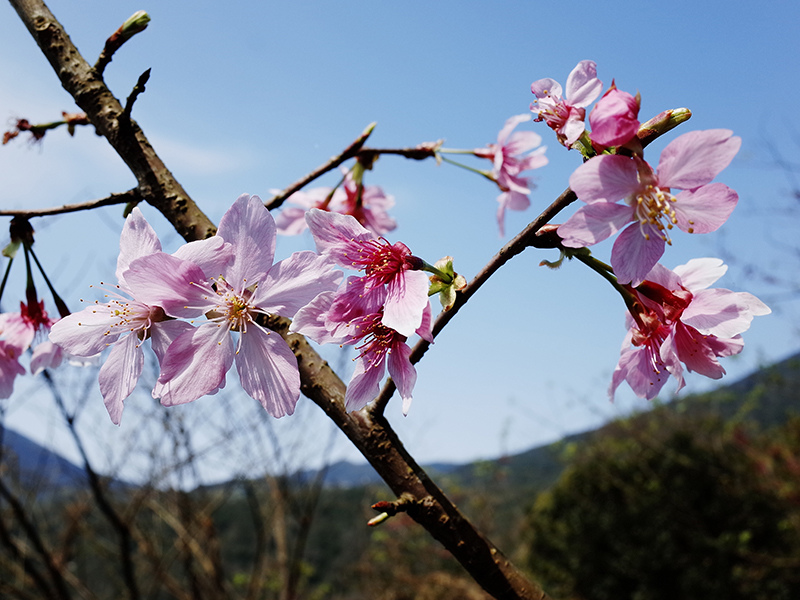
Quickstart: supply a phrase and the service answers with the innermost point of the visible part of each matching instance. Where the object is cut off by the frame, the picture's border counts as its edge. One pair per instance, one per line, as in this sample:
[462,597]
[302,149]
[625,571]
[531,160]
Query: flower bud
[662,123]
[136,23]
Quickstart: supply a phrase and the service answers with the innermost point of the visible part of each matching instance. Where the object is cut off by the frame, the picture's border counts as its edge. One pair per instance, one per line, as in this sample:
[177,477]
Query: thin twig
[132,195]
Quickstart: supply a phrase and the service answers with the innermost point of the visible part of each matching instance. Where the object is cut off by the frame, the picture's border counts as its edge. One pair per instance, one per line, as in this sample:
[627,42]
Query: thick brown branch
[377,441]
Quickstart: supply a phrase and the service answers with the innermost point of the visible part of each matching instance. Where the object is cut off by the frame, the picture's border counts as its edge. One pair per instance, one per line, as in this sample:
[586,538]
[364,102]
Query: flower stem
[607,273]
[486,174]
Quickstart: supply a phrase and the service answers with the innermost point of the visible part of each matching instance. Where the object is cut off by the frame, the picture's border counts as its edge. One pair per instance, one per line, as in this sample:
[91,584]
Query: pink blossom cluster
[231,279]
[676,321]
[368,204]
[376,312]
[19,331]
[508,163]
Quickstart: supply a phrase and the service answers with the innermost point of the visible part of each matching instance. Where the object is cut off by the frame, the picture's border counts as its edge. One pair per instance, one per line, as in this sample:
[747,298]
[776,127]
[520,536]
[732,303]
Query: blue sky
[247,97]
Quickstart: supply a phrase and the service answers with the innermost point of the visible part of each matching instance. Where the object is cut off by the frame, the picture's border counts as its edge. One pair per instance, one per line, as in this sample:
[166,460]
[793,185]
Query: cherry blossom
[352,246]
[565,114]
[125,321]
[677,321]
[245,288]
[688,163]
[338,318]
[368,204]
[509,161]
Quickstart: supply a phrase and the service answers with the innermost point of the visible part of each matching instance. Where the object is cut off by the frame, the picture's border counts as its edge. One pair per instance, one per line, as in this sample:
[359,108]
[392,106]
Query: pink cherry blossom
[509,161]
[614,119]
[565,114]
[368,204]
[688,163]
[352,246]
[22,328]
[336,317]
[125,321]
[249,285]
[677,322]
[9,367]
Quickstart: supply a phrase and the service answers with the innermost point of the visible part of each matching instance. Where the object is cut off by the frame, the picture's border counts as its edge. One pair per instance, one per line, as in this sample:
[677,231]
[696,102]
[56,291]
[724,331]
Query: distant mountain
[767,397]
[34,467]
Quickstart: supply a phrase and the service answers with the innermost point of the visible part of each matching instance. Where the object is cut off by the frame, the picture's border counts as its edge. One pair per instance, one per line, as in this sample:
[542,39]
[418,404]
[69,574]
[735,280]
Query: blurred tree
[663,506]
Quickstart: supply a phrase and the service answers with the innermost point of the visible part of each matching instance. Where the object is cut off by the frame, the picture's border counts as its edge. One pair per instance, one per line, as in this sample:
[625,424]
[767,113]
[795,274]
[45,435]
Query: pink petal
[633,255]
[250,229]
[704,209]
[605,178]
[510,124]
[211,255]
[364,386]
[162,335]
[294,282]
[167,281]
[723,313]
[85,333]
[46,355]
[291,221]
[542,88]
[406,299]
[137,239]
[583,86]
[268,371]
[119,375]
[402,372]
[696,351]
[593,223]
[695,158]
[310,320]
[195,365]
[336,234]
[699,273]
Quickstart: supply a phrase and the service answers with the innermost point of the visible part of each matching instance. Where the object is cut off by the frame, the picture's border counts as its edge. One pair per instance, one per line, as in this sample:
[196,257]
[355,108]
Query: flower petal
[292,283]
[119,374]
[402,372]
[605,178]
[87,332]
[195,365]
[704,209]
[583,86]
[695,158]
[593,223]
[137,239]
[406,299]
[364,386]
[268,371]
[633,255]
[250,229]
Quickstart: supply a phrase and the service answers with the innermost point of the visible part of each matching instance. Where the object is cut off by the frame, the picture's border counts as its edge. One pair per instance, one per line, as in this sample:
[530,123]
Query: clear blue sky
[249,97]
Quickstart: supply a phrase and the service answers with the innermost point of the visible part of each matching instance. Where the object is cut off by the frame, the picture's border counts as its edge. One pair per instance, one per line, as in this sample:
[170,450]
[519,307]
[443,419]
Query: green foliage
[667,506]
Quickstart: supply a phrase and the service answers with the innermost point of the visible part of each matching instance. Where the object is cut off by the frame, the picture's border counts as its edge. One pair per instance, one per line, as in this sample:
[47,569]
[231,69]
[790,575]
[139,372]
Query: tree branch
[130,196]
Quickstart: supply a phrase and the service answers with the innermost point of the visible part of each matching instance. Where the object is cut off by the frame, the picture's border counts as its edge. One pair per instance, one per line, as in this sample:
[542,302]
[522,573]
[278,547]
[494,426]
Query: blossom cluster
[673,321]
[20,331]
[676,321]
[232,280]
[376,312]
